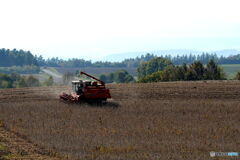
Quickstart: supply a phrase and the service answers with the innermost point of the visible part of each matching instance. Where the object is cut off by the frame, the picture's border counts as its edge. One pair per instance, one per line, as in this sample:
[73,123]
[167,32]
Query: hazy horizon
[96,29]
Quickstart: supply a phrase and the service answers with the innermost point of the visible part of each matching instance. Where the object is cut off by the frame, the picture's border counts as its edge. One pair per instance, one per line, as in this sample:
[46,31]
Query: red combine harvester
[90,91]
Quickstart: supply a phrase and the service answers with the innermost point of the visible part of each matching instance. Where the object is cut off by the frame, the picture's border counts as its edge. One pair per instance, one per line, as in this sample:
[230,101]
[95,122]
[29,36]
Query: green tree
[6,81]
[194,71]
[4,84]
[20,83]
[154,77]
[122,76]
[154,65]
[191,74]
[198,70]
[142,70]
[214,72]
[119,76]
[129,78]
[169,74]
[110,78]
[103,77]
[15,57]
[237,77]
[49,81]
[181,72]
[31,81]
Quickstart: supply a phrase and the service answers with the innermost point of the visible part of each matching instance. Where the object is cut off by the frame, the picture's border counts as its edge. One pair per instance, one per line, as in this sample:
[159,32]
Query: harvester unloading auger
[90,91]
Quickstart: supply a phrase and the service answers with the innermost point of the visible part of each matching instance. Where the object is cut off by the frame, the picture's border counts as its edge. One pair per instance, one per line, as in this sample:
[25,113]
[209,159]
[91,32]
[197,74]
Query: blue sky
[93,28]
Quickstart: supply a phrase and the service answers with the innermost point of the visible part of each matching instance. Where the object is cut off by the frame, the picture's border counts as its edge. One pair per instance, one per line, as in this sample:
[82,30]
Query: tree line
[18,61]
[135,62]
[15,57]
[162,69]
[204,58]
[75,63]
[20,69]
[9,58]
[120,76]
[15,80]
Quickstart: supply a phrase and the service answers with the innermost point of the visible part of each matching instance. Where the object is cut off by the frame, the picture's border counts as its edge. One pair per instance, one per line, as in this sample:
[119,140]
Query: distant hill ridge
[11,58]
[173,52]
[15,57]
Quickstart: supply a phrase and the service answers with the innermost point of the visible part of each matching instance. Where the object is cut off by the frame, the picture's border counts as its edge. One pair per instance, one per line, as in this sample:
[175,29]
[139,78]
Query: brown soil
[18,147]
[174,120]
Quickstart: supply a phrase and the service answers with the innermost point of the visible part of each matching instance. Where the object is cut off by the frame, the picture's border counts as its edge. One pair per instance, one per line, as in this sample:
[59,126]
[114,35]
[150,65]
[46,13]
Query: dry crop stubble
[177,120]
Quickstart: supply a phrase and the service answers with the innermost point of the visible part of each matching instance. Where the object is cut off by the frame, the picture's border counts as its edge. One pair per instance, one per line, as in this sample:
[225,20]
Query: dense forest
[9,58]
[18,61]
[161,69]
[135,62]
[75,63]
[15,57]
[204,58]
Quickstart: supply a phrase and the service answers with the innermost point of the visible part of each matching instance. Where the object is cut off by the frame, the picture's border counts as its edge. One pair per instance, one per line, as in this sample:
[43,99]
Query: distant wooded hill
[135,62]
[15,57]
[173,52]
[9,58]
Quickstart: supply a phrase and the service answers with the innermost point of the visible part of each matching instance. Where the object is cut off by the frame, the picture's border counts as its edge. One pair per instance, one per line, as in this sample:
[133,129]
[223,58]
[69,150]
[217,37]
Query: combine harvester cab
[89,91]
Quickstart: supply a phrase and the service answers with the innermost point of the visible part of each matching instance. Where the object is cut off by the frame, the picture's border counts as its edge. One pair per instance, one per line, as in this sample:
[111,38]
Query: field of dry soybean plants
[174,120]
